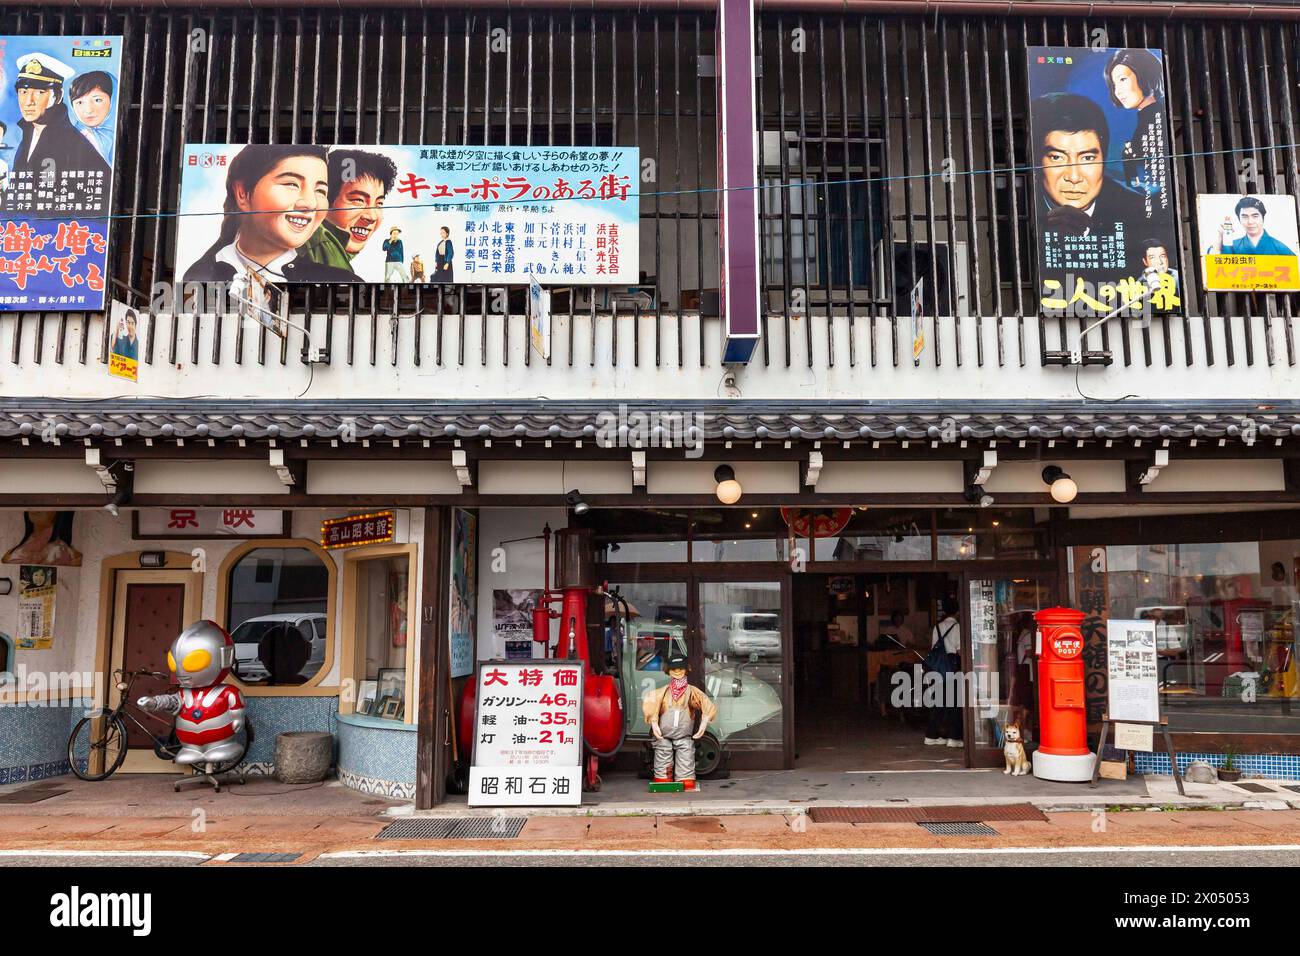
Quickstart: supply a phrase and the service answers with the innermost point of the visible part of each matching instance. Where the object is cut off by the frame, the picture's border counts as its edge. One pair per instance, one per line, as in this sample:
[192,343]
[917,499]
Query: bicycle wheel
[97,745]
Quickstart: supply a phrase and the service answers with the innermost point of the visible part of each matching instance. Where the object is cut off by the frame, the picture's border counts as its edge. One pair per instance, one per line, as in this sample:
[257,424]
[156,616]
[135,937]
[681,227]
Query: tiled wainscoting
[377,756]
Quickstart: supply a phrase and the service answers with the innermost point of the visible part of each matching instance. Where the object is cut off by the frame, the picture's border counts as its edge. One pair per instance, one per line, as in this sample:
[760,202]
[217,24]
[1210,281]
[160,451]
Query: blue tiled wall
[276,715]
[1275,766]
[377,756]
[34,741]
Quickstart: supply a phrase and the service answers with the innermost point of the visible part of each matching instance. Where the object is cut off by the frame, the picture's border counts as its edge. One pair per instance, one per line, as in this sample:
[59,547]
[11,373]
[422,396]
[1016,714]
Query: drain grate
[962,828]
[30,795]
[1255,787]
[454,828]
[264,857]
[1009,811]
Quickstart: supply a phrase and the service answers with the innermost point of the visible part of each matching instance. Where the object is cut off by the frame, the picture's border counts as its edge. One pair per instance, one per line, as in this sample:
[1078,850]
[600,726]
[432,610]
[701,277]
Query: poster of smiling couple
[1104,202]
[58,117]
[485,215]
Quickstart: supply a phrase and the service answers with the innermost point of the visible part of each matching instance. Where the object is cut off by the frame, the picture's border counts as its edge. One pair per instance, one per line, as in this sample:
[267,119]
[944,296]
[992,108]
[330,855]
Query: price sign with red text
[527,734]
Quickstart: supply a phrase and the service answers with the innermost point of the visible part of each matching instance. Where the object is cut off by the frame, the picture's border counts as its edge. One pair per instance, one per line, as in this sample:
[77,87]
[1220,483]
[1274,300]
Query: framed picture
[389,707]
[366,691]
[392,682]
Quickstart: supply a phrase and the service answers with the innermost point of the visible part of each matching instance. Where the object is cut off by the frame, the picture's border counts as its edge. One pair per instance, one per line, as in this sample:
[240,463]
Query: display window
[1225,626]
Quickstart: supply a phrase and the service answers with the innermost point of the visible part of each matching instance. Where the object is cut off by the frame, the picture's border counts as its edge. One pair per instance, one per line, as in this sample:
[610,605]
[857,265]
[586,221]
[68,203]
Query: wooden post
[434,724]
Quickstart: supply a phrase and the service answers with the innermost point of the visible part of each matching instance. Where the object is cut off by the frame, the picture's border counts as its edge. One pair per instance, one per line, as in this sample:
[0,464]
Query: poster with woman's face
[1103,199]
[47,541]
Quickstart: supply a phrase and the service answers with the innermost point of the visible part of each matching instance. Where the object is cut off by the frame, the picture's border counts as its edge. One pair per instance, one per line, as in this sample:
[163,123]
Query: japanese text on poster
[527,734]
[58,116]
[36,606]
[1103,193]
[409,214]
[1131,670]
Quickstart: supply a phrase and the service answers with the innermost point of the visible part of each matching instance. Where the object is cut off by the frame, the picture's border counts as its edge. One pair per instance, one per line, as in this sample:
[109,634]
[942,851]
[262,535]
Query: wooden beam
[435,720]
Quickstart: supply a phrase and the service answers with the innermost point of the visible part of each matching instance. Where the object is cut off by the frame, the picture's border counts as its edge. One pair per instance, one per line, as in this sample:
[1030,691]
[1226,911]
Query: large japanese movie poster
[58,117]
[483,215]
[1104,205]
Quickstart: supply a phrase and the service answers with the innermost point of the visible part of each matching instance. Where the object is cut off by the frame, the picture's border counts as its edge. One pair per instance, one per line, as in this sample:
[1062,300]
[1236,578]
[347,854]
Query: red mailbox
[1062,719]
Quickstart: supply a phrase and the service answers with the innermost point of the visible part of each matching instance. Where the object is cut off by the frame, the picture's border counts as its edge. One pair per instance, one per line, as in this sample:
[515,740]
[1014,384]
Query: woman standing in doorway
[943,720]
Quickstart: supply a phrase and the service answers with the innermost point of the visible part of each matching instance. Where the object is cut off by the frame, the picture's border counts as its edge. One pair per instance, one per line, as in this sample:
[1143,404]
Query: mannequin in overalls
[671,710]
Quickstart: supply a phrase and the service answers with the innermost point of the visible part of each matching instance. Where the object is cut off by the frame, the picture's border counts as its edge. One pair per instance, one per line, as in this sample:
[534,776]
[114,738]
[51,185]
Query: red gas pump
[1062,719]
[602,706]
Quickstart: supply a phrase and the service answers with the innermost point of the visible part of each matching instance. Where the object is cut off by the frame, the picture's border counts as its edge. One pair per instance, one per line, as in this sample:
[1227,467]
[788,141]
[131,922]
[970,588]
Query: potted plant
[1229,772]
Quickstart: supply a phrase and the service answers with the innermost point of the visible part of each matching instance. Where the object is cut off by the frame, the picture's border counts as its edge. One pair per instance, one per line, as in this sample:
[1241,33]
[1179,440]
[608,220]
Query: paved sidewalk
[143,814]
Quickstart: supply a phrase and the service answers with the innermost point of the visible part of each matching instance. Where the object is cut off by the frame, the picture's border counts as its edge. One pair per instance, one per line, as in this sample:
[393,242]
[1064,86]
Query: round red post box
[1062,719]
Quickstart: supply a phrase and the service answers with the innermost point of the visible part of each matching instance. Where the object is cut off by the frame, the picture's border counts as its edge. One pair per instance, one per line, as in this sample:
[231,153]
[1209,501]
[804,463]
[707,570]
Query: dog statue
[1014,751]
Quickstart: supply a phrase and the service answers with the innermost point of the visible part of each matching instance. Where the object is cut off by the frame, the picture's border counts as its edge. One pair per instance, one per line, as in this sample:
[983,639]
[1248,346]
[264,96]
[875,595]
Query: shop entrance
[853,633]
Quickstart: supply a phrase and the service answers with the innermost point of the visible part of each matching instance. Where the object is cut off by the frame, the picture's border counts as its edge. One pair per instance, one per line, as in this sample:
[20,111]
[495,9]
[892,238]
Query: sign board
[56,169]
[1103,192]
[1131,665]
[1135,737]
[527,734]
[36,586]
[918,322]
[209,523]
[376,527]
[463,598]
[539,318]
[488,215]
[983,613]
[124,346]
[1248,243]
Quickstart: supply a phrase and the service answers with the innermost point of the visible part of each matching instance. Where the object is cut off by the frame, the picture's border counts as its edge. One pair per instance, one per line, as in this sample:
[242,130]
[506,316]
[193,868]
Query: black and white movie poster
[1104,205]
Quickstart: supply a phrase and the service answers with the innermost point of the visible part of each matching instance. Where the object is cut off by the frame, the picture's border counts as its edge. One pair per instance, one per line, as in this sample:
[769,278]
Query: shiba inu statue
[1014,751]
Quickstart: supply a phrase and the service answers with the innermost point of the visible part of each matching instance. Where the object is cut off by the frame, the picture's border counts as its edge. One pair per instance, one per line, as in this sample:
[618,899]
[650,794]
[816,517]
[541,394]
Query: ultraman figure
[208,711]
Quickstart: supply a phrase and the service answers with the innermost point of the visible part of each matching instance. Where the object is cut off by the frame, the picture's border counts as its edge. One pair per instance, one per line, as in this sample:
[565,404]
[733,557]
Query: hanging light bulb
[728,490]
[1062,486]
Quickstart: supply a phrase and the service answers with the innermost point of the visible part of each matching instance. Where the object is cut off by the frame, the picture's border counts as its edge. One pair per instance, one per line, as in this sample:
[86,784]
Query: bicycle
[98,744]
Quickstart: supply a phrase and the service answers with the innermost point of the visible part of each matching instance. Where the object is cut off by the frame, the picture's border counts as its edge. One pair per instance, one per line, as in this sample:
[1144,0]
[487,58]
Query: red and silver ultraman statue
[209,712]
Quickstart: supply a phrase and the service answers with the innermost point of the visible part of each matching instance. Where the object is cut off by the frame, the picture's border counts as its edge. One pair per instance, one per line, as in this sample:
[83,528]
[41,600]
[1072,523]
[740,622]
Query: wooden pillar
[435,723]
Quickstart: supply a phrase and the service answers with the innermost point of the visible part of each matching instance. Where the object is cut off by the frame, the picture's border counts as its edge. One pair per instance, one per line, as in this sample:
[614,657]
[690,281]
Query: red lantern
[816,522]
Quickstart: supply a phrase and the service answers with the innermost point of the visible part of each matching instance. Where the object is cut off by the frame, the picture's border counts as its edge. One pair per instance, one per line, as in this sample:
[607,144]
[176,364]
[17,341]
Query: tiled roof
[738,420]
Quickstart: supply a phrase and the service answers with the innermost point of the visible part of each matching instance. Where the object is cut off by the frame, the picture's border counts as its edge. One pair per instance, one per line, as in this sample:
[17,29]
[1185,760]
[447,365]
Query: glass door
[743,648]
[1000,677]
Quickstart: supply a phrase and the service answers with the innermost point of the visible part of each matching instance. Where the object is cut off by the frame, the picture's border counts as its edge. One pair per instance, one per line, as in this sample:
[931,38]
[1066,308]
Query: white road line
[178,854]
[814,851]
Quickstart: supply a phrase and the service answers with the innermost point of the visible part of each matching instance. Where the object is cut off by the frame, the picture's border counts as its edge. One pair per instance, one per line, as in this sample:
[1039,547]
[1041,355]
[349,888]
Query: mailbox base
[1064,768]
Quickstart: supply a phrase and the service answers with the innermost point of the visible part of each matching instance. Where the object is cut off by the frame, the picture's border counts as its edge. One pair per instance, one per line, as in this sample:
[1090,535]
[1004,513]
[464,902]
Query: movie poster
[512,621]
[485,215]
[58,118]
[464,590]
[36,607]
[1248,243]
[1103,194]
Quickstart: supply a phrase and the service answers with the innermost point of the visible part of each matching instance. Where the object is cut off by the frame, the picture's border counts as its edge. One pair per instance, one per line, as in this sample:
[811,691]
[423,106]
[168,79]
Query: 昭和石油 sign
[58,116]
[527,734]
[488,215]
[377,527]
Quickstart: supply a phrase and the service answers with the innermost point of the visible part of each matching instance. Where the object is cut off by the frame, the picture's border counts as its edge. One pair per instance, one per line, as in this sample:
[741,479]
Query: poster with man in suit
[1103,194]
[58,114]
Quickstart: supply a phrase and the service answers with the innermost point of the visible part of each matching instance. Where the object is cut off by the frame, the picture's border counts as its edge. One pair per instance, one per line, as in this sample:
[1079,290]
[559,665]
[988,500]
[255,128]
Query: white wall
[689,376]
[518,565]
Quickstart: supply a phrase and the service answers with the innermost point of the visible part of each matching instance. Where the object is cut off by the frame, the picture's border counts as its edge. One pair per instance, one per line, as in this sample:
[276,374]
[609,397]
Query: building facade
[845,309]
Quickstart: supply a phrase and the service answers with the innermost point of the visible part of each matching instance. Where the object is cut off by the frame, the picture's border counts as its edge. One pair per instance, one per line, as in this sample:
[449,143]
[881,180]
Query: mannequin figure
[671,711]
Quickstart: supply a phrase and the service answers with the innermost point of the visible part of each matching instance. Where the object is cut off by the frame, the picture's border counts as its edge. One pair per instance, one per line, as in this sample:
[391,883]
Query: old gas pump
[1062,718]
[575,582]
